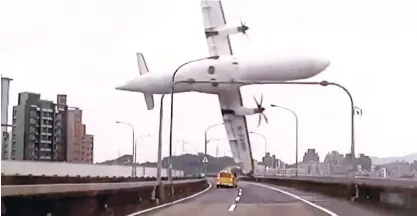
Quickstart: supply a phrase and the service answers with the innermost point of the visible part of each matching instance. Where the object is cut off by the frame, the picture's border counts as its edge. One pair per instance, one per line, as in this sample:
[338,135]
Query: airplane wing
[237,130]
[213,16]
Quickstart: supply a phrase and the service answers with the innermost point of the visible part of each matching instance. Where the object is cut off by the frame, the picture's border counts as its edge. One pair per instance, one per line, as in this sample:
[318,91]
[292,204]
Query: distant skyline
[86,48]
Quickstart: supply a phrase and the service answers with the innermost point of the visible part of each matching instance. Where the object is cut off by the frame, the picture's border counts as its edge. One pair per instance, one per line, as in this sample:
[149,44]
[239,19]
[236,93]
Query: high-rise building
[5,133]
[334,158]
[39,128]
[80,144]
[311,156]
[271,161]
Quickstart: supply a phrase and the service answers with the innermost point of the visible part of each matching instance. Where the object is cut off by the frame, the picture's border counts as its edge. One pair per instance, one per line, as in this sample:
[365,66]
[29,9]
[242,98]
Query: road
[252,199]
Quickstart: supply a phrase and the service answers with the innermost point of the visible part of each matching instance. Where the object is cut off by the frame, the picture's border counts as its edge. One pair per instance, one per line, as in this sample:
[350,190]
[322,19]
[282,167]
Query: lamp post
[136,144]
[206,141]
[159,159]
[322,83]
[205,136]
[353,109]
[296,134]
[263,137]
[172,114]
[133,146]
[265,143]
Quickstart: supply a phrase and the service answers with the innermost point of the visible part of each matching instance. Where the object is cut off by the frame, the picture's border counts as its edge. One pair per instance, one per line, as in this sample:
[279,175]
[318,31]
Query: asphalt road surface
[252,199]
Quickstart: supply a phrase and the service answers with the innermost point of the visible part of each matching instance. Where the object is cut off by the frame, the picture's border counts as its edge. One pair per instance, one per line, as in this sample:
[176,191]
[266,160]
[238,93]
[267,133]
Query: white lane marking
[237,199]
[313,199]
[299,198]
[171,203]
[240,193]
[232,207]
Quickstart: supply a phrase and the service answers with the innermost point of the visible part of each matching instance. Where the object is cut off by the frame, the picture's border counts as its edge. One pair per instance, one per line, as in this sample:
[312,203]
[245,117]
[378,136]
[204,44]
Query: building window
[32,113]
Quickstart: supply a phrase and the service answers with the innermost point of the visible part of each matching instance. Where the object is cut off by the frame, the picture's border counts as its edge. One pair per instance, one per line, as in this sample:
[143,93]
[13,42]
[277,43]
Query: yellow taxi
[226,179]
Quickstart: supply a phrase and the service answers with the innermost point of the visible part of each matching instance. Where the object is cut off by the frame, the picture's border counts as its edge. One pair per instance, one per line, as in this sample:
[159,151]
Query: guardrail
[93,198]
[385,192]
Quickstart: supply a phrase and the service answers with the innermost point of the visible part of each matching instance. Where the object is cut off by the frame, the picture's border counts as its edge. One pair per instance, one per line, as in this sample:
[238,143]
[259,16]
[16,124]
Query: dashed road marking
[237,199]
[232,207]
[299,198]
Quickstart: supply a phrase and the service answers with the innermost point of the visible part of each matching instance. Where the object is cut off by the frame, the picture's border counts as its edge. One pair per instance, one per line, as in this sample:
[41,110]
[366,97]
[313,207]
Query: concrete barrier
[24,180]
[92,199]
[42,168]
[391,193]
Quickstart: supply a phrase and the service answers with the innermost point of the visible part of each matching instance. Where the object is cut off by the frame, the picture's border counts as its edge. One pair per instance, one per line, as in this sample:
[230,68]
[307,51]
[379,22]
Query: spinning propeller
[259,109]
[243,28]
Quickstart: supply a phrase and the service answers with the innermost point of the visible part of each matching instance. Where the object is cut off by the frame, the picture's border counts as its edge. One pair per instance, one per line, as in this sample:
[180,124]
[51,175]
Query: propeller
[243,28]
[259,109]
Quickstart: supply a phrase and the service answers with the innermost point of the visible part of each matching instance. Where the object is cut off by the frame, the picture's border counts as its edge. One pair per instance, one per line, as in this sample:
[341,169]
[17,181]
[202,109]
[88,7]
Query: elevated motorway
[255,199]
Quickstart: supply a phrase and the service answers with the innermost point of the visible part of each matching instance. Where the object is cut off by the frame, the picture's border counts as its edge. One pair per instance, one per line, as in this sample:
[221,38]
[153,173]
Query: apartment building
[39,128]
[80,144]
[311,156]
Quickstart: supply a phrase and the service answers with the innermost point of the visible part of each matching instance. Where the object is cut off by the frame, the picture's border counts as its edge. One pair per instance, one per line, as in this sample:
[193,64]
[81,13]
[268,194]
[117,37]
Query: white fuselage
[227,68]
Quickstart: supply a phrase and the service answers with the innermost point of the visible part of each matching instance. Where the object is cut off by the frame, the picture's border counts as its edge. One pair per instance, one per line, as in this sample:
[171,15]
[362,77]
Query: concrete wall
[39,168]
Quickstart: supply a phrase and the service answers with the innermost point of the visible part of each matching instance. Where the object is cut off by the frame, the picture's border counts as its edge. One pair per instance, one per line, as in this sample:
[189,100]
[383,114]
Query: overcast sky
[84,48]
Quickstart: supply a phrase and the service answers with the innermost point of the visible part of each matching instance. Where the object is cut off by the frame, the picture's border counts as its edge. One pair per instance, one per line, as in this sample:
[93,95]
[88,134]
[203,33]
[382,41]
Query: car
[226,179]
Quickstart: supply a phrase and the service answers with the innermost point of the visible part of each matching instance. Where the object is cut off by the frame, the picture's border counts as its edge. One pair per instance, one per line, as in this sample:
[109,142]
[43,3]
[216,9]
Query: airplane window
[211,70]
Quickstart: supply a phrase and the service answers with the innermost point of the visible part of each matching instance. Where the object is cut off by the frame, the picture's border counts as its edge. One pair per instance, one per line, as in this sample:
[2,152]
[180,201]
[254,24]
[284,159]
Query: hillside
[192,164]
[408,158]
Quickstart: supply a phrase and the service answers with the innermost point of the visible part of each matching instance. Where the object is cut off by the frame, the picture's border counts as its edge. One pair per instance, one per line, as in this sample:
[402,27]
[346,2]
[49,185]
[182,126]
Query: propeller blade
[259,121]
[266,118]
[262,99]
[256,101]
[247,36]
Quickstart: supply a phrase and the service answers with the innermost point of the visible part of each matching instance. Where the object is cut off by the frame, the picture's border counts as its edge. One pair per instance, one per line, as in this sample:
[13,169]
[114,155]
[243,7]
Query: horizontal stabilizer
[149,101]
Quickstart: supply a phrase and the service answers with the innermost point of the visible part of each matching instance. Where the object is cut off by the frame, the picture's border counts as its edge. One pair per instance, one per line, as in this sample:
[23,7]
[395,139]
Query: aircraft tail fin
[143,68]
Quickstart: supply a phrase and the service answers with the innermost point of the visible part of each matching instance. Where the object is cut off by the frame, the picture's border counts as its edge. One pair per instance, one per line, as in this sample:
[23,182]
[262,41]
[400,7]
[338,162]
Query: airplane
[226,68]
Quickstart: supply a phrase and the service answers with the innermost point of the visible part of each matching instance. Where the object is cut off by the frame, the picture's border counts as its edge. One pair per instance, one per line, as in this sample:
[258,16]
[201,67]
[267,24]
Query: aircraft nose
[321,64]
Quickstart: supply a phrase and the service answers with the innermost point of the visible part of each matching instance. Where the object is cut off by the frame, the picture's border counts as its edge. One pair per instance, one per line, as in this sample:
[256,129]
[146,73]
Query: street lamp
[133,146]
[322,83]
[354,110]
[205,136]
[159,156]
[206,142]
[172,113]
[263,137]
[136,144]
[296,134]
